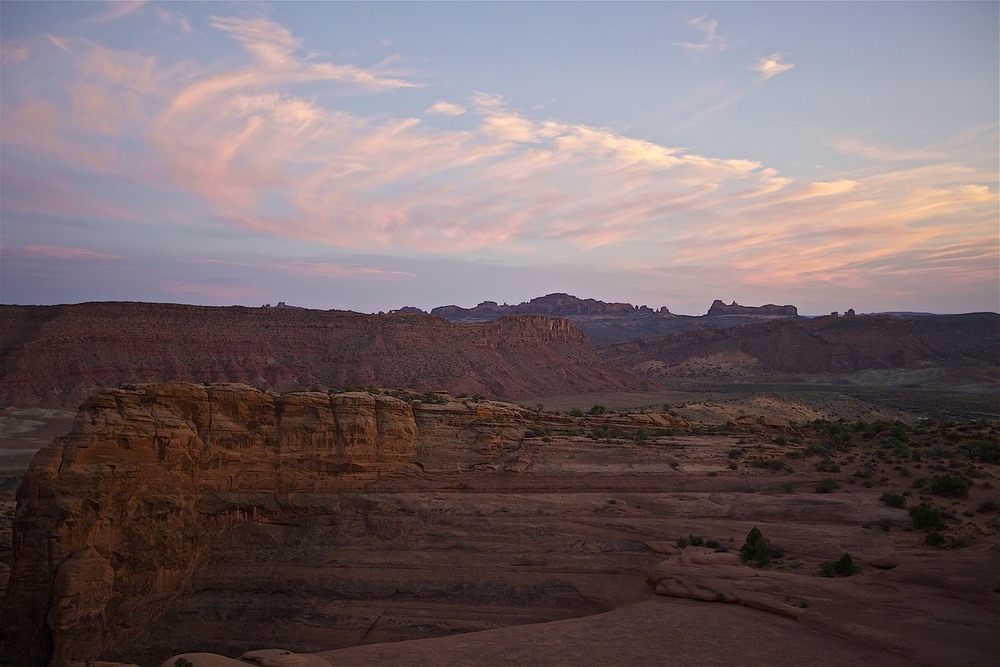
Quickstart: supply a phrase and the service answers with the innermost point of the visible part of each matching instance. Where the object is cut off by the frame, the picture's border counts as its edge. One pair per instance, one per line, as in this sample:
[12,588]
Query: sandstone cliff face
[169,506]
[56,356]
[113,519]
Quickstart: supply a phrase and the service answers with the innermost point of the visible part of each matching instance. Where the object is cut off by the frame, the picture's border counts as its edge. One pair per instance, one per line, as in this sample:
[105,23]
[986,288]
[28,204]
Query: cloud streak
[711,41]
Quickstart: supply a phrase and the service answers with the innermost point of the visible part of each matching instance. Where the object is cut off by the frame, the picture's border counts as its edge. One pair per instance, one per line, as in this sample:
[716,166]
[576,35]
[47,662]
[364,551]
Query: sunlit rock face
[114,519]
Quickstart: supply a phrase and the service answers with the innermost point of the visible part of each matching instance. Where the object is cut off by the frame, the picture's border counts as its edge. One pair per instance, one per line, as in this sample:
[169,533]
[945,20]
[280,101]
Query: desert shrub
[603,431]
[893,500]
[957,542]
[828,485]
[827,465]
[682,542]
[695,540]
[535,431]
[988,452]
[781,441]
[788,487]
[756,548]
[712,544]
[736,453]
[987,506]
[934,539]
[597,410]
[842,567]
[926,517]
[576,412]
[770,464]
[953,486]
[183,662]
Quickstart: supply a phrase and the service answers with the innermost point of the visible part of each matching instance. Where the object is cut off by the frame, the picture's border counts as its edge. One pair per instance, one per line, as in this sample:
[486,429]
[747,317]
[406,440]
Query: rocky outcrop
[719,308]
[552,305]
[55,356]
[605,323]
[113,519]
[165,496]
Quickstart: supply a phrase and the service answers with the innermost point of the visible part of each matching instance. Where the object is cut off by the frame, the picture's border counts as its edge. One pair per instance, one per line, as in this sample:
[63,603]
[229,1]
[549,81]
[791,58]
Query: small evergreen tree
[756,548]
[844,566]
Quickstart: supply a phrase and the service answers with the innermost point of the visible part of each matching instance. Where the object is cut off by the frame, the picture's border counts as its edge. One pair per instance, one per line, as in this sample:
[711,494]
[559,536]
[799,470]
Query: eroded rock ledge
[162,492]
[113,519]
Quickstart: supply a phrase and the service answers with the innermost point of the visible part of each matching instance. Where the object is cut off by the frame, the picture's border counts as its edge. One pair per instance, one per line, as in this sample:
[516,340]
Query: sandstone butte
[55,356]
[233,520]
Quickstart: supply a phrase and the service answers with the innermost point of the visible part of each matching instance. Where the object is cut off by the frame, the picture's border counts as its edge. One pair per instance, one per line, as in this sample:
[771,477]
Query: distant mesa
[283,306]
[554,305]
[719,308]
[605,323]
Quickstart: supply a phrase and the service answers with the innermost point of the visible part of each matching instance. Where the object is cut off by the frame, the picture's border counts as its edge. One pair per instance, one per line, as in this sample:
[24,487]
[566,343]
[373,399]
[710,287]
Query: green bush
[988,452]
[828,485]
[696,540]
[597,410]
[926,517]
[987,506]
[952,486]
[756,548]
[934,539]
[827,465]
[894,500]
[843,567]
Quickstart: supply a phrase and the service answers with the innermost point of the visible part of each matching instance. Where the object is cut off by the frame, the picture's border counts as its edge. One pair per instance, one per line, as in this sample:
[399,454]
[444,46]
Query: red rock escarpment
[113,519]
[55,356]
[171,506]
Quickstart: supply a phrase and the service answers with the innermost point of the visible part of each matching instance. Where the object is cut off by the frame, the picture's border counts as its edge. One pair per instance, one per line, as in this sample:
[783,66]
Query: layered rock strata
[114,519]
[173,510]
[55,356]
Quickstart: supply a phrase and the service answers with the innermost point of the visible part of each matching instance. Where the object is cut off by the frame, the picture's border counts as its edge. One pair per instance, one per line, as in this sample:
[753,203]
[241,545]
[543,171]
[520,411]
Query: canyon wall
[55,356]
[177,513]
[114,519]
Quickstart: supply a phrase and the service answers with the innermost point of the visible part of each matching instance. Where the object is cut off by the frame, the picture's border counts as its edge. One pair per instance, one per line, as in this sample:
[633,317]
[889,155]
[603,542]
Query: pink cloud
[260,157]
[60,252]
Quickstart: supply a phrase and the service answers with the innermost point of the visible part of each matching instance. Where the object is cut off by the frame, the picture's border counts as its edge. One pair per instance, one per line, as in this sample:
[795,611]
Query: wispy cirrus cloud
[60,252]
[117,9]
[711,41]
[251,149]
[771,66]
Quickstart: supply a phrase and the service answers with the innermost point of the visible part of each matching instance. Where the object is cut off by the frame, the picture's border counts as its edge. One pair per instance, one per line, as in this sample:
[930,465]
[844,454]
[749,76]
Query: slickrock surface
[55,356]
[190,519]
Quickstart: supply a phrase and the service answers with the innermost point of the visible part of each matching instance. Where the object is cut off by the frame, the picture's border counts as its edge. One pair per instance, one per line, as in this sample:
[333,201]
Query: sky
[370,156]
